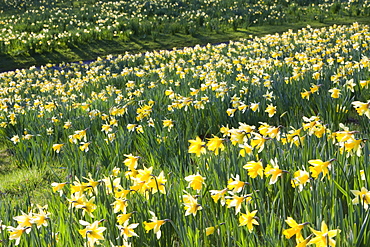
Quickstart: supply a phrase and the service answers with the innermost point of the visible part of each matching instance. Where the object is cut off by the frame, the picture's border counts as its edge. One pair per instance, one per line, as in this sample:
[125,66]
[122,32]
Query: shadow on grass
[99,48]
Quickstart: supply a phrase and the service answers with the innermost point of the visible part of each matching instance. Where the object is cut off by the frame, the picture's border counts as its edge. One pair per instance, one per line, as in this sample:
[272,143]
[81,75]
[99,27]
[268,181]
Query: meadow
[257,142]
[44,31]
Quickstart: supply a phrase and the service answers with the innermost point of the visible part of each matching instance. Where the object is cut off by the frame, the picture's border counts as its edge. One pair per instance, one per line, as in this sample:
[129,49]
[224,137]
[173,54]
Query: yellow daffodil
[254,106]
[15,139]
[271,110]
[362,108]
[195,181]
[116,171]
[335,93]
[41,218]
[127,230]
[249,219]
[24,220]
[219,195]
[92,232]
[274,171]
[76,199]
[306,95]
[319,166]
[362,197]
[16,233]
[210,230]
[157,183]
[120,205]
[154,225]
[87,206]
[168,123]
[67,125]
[190,204]
[236,201]
[57,147]
[91,185]
[122,218]
[235,184]
[215,144]
[254,168]
[324,237]
[131,161]
[197,147]
[258,142]
[84,146]
[58,187]
[294,230]
[300,178]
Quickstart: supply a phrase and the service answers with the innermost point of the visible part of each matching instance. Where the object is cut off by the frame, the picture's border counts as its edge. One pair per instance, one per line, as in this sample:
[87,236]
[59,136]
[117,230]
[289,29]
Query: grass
[18,183]
[101,48]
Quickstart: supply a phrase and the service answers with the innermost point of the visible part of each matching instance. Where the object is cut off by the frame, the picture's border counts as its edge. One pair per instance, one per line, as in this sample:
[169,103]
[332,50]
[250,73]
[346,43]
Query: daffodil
[235,184]
[92,232]
[362,108]
[254,106]
[195,181]
[41,218]
[120,205]
[335,93]
[154,225]
[249,219]
[15,139]
[219,195]
[76,199]
[122,218]
[271,110]
[84,146]
[24,220]
[127,230]
[191,204]
[236,201]
[273,171]
[91,185]
[300,178]
[57,147]
[352,146]
[362,197]
[215,144]
[254,168]
[210,230]
[157,183]
[306,95]
[67,125]
[319,166]
[324,237]
[294,230]
[116,171]
[87,206]
[112,184]
[245,149]
[197,146]
[58,187]
[131,161]
[258,141]
[78,186]
[16,233]
[168,123]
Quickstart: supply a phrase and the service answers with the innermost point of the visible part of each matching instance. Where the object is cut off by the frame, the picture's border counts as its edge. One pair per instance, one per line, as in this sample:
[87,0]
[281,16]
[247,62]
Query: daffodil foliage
[258,142]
